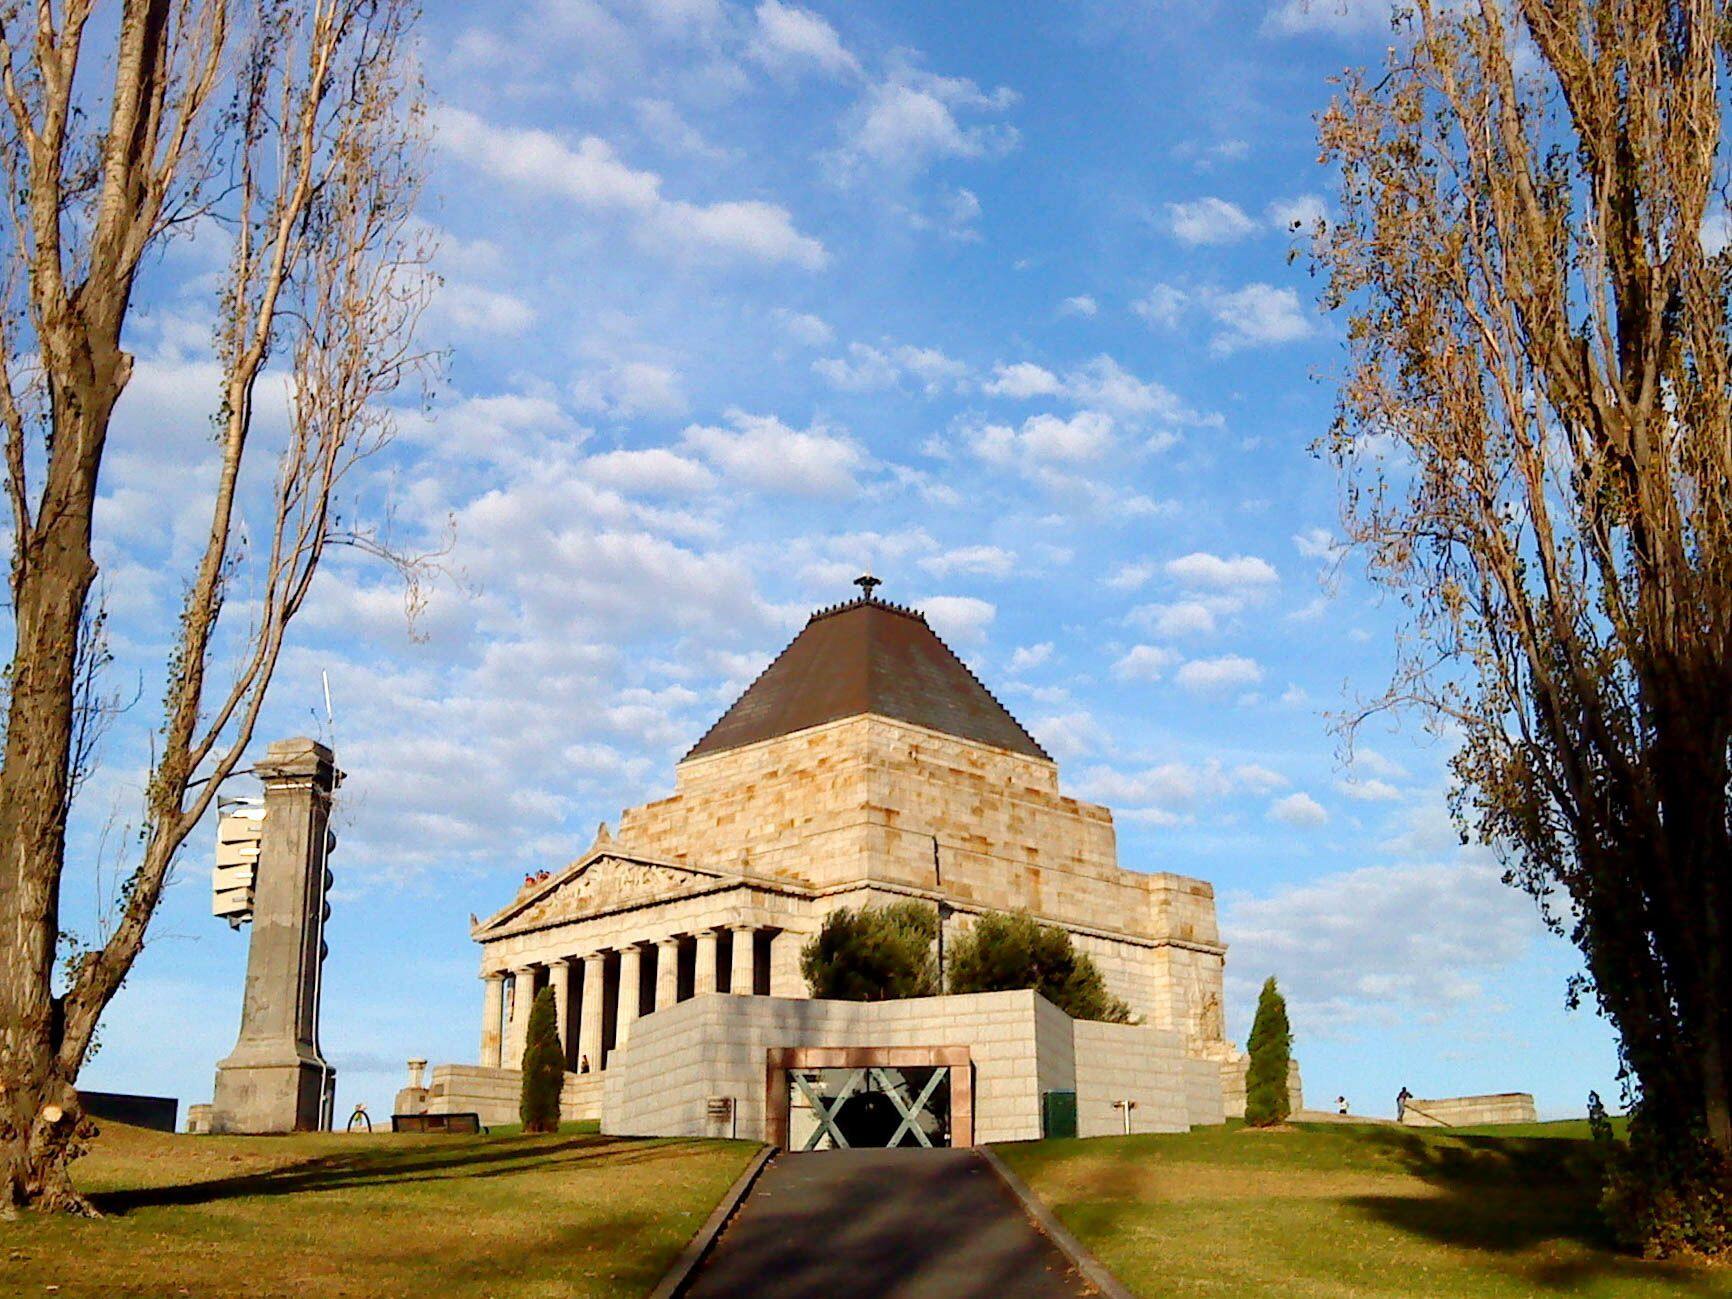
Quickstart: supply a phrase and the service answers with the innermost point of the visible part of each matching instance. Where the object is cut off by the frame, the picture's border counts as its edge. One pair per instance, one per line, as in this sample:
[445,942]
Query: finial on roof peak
[866,582]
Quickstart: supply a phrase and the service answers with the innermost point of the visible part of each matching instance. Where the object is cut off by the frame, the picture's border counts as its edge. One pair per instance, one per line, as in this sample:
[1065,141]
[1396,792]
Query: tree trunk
[41,1122]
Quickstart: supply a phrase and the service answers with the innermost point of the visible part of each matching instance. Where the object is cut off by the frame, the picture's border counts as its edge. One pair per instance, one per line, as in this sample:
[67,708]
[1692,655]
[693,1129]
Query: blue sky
[743,298]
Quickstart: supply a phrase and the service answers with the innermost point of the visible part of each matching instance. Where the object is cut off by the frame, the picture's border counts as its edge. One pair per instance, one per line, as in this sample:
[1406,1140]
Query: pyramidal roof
[867,656]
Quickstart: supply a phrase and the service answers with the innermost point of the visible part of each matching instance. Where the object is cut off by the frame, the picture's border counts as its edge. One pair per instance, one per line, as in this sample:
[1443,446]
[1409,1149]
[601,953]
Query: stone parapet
[1470,1111]
[494,1094]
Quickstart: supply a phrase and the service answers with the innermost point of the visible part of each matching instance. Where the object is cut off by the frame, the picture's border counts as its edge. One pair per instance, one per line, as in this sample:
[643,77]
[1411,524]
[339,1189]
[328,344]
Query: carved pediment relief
[598,885]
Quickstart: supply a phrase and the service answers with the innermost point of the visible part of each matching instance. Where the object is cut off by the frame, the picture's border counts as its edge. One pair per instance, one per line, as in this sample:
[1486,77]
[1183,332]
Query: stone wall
[494,1093]
[849,812]
[1470,1111]
[1233,1068]
[1020,1045]
[1122,1062]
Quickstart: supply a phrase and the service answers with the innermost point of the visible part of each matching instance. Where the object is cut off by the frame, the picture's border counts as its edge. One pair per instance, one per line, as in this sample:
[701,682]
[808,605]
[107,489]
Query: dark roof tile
[867,656]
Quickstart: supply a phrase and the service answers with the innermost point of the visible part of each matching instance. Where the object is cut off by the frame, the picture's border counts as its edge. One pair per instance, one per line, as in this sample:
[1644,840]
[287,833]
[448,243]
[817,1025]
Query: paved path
[884,1224]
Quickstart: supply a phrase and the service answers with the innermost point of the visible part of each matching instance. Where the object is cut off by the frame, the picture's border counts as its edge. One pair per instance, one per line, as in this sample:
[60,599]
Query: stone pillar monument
[275,1080]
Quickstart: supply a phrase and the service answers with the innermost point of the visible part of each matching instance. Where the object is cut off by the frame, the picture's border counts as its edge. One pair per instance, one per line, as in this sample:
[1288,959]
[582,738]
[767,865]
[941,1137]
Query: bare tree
[1536,434]
[296,130]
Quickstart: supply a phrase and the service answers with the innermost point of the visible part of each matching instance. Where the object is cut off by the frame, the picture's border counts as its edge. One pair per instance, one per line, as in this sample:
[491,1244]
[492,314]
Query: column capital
[492,976]
[560,962]
[672,940]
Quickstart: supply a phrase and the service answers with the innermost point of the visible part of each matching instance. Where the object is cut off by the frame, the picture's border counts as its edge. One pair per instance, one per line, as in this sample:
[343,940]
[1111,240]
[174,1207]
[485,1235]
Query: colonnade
[599,996]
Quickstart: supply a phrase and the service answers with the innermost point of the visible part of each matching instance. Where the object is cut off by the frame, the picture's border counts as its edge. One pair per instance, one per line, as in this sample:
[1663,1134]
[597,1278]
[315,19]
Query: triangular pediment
[606,879]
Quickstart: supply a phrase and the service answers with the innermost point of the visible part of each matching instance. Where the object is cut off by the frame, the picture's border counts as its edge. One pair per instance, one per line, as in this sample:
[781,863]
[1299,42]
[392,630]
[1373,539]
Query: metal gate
[873,1106]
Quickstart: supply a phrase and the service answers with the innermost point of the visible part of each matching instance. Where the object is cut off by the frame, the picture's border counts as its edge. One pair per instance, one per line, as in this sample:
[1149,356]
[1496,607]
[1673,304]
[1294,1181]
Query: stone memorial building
[866,765]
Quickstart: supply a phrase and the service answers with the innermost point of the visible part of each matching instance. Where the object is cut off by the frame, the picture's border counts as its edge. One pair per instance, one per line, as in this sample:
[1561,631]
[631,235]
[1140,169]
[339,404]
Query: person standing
[1401,1099]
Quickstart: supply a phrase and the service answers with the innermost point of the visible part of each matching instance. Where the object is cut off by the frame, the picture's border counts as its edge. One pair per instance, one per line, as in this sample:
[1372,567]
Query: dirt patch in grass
[1347,1212]
[572,1214]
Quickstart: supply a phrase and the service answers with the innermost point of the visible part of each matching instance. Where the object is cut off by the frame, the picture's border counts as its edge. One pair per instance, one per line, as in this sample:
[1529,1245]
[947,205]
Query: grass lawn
[576,1214]
[1347,1210]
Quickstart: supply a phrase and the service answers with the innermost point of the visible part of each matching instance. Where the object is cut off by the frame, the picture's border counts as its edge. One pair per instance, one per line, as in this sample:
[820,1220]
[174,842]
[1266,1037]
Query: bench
[455,1124]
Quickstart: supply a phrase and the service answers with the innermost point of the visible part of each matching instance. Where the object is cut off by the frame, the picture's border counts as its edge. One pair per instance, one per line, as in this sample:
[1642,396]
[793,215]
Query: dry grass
[574,1214]
[1347,1212]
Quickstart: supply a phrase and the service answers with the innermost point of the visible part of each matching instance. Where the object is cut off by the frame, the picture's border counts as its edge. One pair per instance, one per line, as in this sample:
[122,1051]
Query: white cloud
[1369,791]
[631,388]
[1716,231]
[909,121]
[473,309]
[1070,735]
[959,619]
[1316,543]
[1299,215]
[1369,759]
[1239,573]
[1080,305]
[866,368]
[1102,384]
[1022,381]
[803,327]
[1298,809]
[987,561]
[1181,618]
[1212,676]
[593,176]
[1162,306]
[932,367]
[1144,663]
[1030,656]
[1129,577]
[1345,946]
[793,38]
[1257,315]
[763,452]
[655,470]
[1045,440]
[1258,779]
[662,123]
[1209,221]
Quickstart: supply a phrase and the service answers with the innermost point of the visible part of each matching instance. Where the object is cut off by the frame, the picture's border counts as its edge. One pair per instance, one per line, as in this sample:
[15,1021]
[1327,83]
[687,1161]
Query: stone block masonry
[1018,1045]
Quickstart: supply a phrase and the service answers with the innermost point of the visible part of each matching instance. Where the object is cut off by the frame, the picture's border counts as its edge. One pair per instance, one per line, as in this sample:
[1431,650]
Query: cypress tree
[1271,1048]
[543,1068]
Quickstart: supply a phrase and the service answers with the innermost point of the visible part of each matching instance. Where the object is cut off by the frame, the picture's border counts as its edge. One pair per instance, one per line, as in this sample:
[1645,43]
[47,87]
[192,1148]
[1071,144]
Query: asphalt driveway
[884,1224]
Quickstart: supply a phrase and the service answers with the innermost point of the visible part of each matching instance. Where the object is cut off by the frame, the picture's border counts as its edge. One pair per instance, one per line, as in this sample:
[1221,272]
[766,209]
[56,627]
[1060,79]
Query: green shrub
[543,1068]
[1004,952]
[873,954]
[1271,1049]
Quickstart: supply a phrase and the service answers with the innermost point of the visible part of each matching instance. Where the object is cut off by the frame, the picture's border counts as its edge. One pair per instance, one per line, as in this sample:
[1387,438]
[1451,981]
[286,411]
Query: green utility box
[1058,1114]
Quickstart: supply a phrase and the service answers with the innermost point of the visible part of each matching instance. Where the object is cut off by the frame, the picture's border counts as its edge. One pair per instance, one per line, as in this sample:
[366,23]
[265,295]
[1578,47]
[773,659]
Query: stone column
[704,972]
[276,1079]
[522,998]
[630,981]
[785,977]
[589,1025]
[667,972]
[741,983]
[492,1013]
[562,1005]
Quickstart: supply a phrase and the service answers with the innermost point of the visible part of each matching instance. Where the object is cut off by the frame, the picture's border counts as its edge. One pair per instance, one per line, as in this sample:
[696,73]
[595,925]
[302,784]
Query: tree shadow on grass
[1512,1196]
[463,1159]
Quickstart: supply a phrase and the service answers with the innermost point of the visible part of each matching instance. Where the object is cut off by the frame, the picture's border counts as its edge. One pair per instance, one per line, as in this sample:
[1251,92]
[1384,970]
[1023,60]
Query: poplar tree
[289,132]
[1535,437]
[1271,1048]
